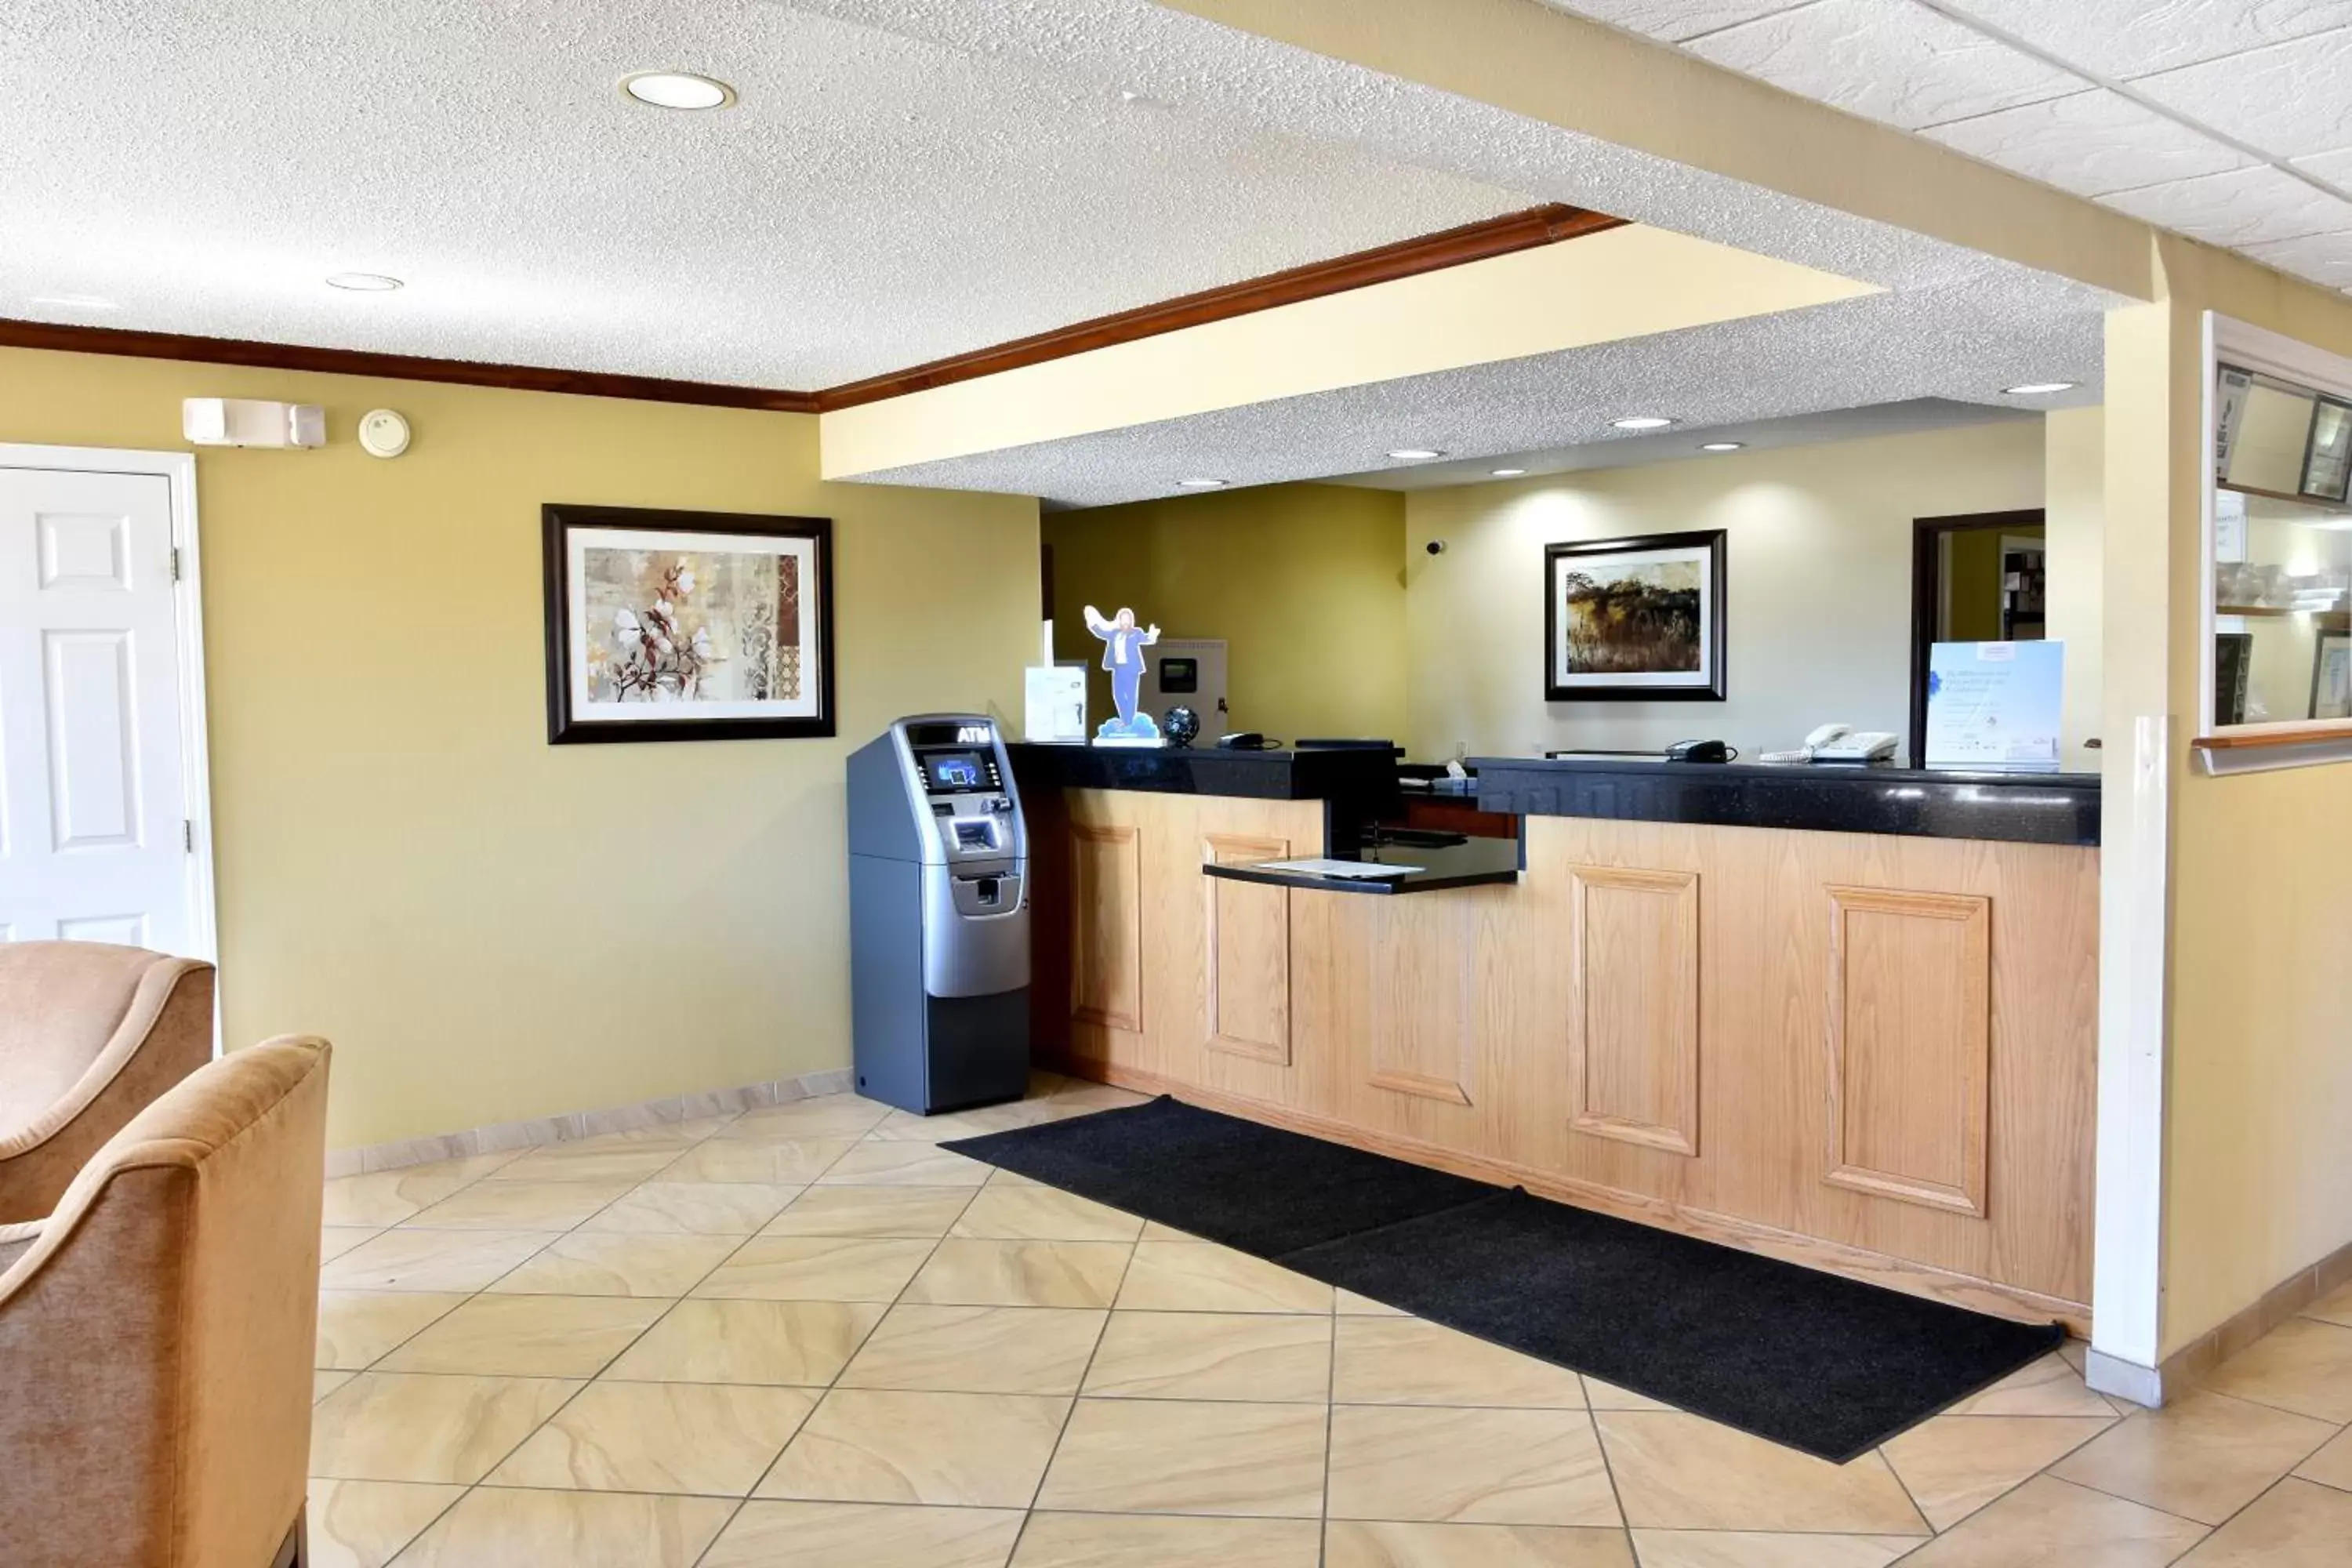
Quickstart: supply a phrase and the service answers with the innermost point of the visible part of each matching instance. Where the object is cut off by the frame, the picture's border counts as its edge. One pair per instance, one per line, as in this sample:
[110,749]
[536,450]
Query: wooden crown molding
[1405,259]
[397,367]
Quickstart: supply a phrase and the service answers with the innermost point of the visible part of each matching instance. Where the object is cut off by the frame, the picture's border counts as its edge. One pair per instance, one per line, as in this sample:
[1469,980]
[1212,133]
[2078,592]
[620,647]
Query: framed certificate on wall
[2331,676]
[2328,458]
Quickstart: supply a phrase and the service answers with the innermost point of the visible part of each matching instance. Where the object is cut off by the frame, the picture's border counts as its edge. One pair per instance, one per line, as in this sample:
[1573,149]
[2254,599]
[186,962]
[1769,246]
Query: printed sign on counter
[1994,705]
[1054,696]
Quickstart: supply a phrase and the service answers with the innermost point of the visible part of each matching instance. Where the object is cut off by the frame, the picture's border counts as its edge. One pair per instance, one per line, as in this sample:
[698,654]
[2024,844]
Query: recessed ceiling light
[363,282]
[1721,446]
[1416,454]
[1642,422]
[678,89]
[75,302]
[1508,473]
[1202,484]
[2039,388]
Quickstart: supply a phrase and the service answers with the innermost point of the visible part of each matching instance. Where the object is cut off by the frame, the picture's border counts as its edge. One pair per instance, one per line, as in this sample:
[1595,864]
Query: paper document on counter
[1369,870]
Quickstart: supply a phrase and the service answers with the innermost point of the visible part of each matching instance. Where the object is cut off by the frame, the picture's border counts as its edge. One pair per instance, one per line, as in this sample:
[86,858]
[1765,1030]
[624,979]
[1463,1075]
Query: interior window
[2281,552]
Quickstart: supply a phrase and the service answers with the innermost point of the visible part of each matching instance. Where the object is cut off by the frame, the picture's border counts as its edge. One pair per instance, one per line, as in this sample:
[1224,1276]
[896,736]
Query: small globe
[1182,725]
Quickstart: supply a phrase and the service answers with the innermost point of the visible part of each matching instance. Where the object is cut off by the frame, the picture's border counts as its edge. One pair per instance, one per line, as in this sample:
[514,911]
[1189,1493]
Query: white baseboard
[2124,1379]
[583,1123]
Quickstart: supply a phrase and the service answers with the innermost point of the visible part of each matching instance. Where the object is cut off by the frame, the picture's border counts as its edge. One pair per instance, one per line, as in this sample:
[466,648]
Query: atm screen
[955,770]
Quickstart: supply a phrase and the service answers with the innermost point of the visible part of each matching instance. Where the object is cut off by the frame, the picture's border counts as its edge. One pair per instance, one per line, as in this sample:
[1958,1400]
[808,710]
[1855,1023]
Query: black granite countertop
[1471,863]
[2029,809]
[1365,774]
[1360,787]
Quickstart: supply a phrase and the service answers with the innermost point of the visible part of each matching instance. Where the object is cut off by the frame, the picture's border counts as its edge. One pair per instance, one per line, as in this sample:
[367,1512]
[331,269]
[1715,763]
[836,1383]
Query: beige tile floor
[809,1337]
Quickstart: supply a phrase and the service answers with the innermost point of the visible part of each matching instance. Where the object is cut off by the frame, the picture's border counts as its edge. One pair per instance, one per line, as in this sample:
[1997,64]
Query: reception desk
[1845,1018]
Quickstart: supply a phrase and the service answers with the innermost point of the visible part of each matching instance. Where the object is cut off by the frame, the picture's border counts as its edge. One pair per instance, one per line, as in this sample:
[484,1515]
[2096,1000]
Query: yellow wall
[1819,595]
[2259,1182]
[1973,583]
[2074,451]
[1302,581]
[1342,623]
[488,927]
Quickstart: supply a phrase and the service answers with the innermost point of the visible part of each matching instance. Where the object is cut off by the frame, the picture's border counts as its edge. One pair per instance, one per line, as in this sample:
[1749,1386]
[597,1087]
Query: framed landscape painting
[686,625]
[1634,619]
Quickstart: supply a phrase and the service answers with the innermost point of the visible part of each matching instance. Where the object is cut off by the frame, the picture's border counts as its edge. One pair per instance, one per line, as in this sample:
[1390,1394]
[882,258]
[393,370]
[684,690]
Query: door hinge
[175,563]
[188,835]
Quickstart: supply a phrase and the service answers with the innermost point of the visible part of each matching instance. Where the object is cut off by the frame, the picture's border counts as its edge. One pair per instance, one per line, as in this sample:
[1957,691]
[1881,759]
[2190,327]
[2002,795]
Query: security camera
[1435,547]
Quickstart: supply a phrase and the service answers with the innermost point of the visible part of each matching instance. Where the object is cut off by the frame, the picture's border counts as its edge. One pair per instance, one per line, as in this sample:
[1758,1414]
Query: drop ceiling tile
[2245,206]
[2090,143]
[2122,38]
[2322,257]
[1674,20]
[2334,167]
[2290,99]
[1904,64]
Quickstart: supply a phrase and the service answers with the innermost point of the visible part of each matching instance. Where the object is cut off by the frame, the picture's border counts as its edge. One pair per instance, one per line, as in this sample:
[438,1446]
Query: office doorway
[1975,577]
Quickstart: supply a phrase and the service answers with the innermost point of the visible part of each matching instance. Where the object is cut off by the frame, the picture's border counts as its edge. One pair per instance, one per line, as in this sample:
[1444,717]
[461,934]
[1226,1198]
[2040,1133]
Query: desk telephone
[1842,743]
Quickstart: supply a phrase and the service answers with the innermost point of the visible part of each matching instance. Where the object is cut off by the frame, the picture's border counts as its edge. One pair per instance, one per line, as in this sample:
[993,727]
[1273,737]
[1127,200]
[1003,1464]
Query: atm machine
[939,917]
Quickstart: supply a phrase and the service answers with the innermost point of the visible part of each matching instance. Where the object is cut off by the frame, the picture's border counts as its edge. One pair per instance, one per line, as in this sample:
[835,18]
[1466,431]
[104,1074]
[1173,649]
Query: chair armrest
[16,1240]
[165,1035]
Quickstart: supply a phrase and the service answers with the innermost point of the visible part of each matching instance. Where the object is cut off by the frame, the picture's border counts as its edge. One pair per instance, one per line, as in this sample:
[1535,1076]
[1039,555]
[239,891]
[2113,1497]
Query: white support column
[2135,855]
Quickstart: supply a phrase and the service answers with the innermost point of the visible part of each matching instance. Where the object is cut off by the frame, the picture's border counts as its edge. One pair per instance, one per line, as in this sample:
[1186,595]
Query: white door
[93,797]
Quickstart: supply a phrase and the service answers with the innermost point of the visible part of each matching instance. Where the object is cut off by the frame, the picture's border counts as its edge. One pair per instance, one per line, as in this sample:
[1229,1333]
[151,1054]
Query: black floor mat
[1255,1188]
[1819,1363]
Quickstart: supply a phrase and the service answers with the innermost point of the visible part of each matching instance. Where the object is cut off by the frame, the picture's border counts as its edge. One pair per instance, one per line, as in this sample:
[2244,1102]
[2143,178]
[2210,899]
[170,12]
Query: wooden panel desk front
[1865,1052]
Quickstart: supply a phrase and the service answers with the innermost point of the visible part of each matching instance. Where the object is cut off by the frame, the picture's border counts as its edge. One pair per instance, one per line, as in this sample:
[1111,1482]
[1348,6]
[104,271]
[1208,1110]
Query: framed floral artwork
[686,625]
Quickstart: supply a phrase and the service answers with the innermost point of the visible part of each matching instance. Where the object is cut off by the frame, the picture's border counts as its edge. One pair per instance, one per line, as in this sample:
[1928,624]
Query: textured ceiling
[903,179]
[1754,435]
[2228,120]
[873,201]
[1885,347]
[1954,323]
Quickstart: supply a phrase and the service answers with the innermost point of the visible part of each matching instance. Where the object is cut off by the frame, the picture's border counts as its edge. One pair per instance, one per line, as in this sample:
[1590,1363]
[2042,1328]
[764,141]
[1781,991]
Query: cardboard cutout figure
[1123,646]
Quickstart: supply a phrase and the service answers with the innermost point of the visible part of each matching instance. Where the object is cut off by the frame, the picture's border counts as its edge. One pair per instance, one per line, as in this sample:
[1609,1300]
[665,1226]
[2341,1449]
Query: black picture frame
[557,522]
[1716,685]
[2326,461]
[2329,639]
[2233,664]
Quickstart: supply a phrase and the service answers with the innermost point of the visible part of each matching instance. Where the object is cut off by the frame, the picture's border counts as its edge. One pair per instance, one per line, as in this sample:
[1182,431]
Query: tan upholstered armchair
[90,1036]
[156,1331]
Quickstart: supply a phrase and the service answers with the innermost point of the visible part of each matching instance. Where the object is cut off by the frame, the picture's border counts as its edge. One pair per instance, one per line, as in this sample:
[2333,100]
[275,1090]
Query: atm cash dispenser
[939,917]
